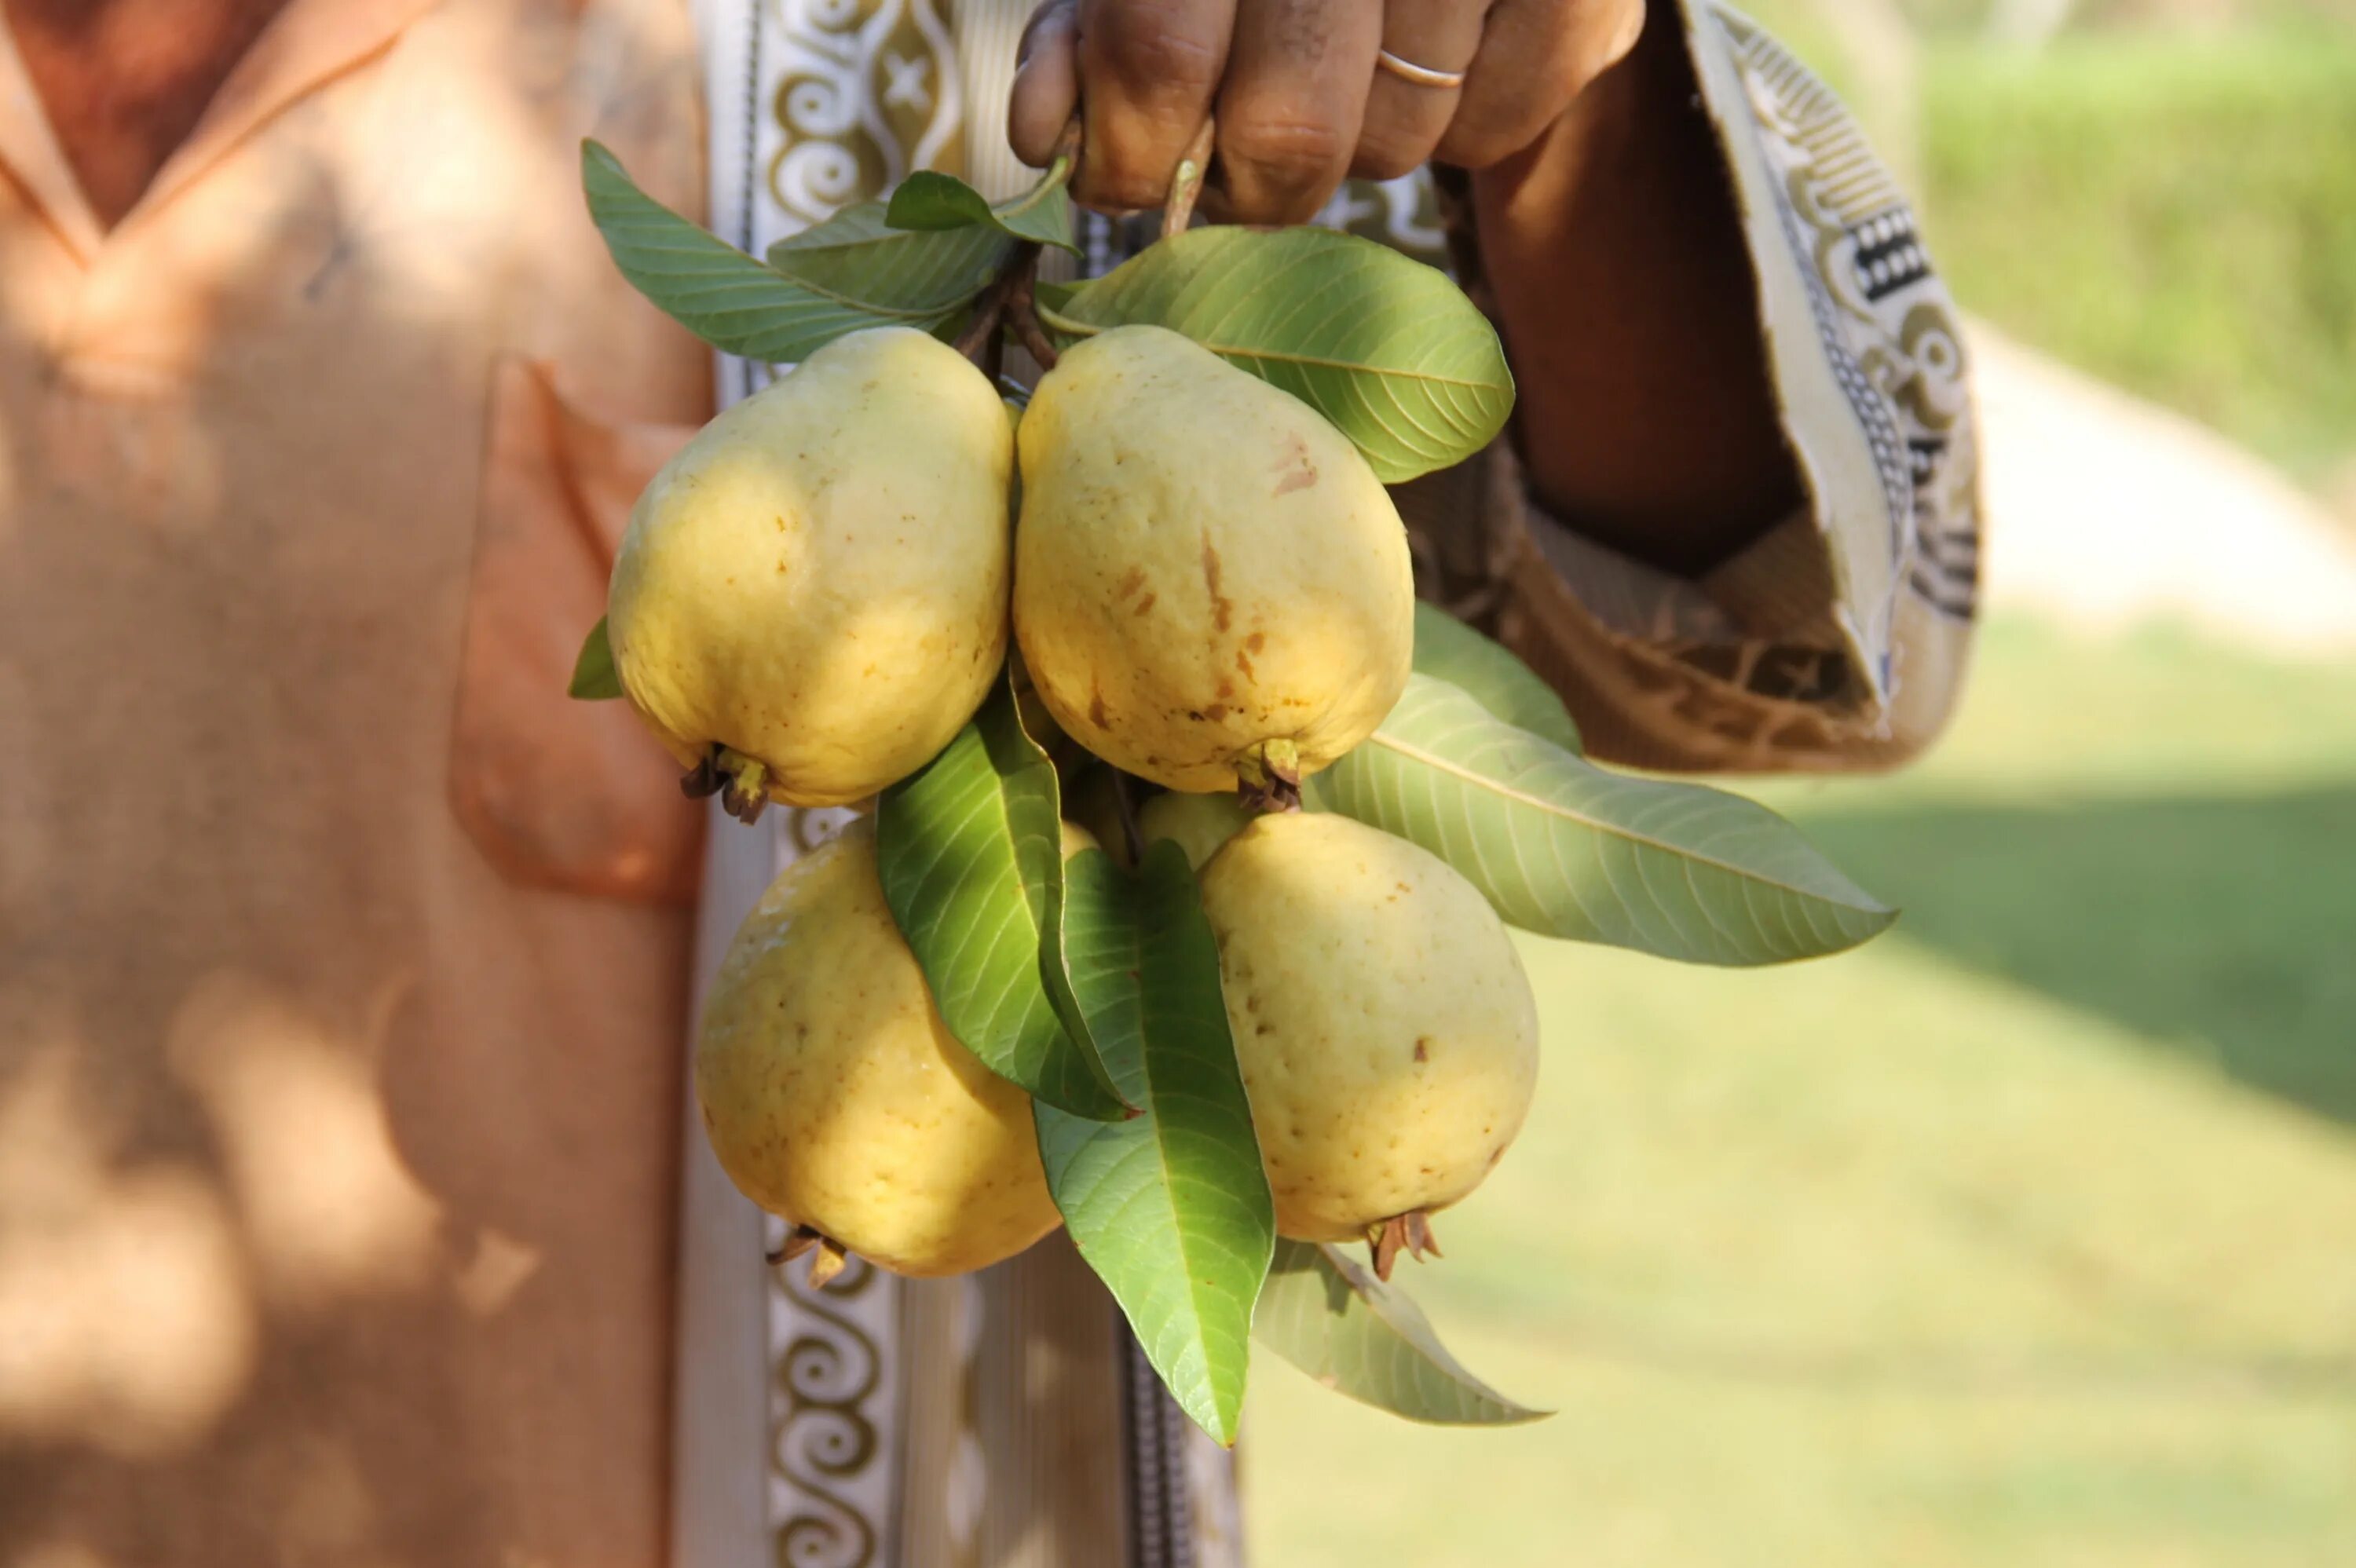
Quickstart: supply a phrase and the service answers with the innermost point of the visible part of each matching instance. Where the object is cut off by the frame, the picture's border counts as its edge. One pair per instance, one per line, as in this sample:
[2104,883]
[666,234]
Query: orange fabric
[30,154]
[567,795]
[342,964]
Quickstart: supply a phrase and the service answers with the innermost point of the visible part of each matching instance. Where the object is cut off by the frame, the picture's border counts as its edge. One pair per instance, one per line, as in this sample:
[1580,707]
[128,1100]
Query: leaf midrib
[872,242]
[1195,1287]
[1161,1125]
[1431,759]
[1063,322]
[633,202]
[803,286]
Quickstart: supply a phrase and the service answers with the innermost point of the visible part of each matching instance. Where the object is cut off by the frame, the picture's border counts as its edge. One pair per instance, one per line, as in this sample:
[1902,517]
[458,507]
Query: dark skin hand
[1624,290]
[125,81]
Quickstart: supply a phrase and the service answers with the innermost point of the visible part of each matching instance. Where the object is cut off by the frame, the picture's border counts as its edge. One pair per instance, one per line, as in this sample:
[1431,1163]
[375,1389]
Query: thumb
[1046,81]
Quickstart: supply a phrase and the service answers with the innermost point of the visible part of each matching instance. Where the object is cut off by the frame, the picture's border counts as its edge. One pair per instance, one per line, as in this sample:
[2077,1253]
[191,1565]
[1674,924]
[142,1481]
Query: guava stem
[1005,302]
[1023,315]
[1067,151]
[1268,776]
[981,334]
[1186,185]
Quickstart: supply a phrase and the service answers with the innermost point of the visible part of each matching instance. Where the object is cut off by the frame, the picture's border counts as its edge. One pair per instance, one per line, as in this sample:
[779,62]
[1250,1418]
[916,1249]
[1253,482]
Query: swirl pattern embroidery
[867,92]
[823,1440]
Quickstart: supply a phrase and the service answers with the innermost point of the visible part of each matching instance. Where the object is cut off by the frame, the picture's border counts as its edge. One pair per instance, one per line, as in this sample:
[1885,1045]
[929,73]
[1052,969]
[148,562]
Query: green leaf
[927,201]
[741,306]
[1562,848]
[1054,968]
[969,850]
[855,255]
[1171,1208]
[1489,672]
[1387,348]
[1332,1318]
[594,678]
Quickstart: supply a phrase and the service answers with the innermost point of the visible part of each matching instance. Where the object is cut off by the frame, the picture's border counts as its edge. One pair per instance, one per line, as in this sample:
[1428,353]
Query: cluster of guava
[1210,591]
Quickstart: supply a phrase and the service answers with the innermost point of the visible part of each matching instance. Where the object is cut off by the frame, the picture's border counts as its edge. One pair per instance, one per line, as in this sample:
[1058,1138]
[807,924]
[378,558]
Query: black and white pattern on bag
[1885,320]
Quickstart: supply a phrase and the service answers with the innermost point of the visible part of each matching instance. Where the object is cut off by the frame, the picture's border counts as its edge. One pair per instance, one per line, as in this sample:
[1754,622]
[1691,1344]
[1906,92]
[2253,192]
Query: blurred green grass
[2172,210]
[2025,1235]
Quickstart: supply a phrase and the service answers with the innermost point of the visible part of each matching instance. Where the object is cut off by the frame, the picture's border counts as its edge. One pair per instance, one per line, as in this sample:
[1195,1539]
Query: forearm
[1626,301]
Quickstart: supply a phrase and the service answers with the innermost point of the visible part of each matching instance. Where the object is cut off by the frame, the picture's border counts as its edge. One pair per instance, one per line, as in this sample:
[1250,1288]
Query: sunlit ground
[2026,1236]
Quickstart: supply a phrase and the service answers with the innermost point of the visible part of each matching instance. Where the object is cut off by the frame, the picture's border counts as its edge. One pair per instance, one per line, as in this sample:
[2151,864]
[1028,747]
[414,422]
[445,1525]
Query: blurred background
[2027,1235]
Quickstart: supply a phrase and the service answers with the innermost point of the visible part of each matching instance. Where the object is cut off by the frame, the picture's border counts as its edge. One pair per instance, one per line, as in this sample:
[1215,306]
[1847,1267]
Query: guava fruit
[1210,585]
[811,597]
[835,1096]
[1198,824]
[1386,1029]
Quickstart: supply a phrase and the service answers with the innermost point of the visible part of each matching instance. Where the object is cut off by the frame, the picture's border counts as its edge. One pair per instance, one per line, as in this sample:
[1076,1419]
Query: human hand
[1301,94]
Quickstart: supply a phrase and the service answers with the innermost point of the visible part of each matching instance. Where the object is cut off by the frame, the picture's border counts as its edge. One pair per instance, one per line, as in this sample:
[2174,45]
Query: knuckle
[1288,148]
[1161,50]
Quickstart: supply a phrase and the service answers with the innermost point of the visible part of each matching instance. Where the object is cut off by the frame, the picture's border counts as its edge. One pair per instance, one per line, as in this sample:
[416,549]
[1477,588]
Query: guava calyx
[1268,777]
[704,779]
[741,783]
[1409,1233]
[800,1238]
[747,790]
[828,1257]
[827,1260]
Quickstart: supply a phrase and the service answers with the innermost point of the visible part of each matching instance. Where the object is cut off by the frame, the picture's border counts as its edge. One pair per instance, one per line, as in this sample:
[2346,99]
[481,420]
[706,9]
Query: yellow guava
[835,1096]
[1209,582]
[1387,1033]
[1198,824]
[817,583]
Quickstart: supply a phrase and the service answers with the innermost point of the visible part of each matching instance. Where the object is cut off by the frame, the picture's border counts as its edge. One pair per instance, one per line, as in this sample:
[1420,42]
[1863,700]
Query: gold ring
[1421,75]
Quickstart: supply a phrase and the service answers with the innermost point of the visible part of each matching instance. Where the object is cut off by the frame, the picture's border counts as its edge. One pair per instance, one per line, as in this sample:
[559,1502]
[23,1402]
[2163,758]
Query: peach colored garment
[341,960]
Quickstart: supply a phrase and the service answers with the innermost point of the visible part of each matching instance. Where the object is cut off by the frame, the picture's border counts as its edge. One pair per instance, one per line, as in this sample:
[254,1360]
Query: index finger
[1046,81]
